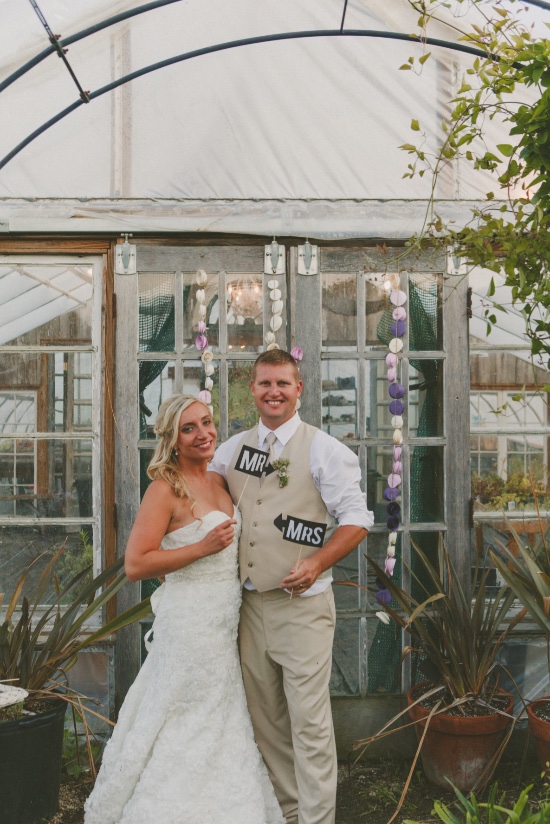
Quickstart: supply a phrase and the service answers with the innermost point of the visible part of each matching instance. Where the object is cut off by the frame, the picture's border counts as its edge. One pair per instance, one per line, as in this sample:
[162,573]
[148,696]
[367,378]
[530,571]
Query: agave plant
[42,643]
[470,811]
[528,575]
[458,638]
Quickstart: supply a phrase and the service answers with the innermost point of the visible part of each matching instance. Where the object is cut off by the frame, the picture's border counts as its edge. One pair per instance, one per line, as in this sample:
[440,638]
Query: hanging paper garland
[276,320]
[201,341]
[397,392]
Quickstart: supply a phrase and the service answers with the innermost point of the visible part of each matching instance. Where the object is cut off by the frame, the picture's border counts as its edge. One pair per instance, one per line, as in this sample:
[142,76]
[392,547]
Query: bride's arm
[144,559]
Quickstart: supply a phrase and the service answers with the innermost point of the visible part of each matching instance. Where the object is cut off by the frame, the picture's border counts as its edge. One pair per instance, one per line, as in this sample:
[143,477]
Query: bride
[183,750]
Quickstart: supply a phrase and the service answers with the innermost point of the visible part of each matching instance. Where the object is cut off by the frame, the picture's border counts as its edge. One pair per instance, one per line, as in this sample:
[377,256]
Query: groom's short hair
[276,357]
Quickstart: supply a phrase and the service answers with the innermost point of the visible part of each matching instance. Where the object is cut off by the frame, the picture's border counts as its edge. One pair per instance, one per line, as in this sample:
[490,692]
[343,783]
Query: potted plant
[528,575]
[38,644]
[460,713]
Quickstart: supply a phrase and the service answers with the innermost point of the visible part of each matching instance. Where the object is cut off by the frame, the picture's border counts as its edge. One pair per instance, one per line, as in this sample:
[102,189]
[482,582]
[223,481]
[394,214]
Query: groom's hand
[302,576]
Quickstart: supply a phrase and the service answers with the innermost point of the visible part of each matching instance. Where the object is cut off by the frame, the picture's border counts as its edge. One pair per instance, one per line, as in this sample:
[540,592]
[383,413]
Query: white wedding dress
[183,750]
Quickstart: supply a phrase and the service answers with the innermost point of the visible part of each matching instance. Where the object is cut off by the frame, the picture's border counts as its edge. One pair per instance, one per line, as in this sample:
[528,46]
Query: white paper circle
[202,277]
[393,537]
[275,294]
[207,356]
[272,284]
[276,322]
[395,345]
[277,307]
[397,436]
[208,369]
[398,298]
[11,695]
[269,337]
[208,384]
[397,421]
[202,310]
[273,346]
[391,548]
[200,295]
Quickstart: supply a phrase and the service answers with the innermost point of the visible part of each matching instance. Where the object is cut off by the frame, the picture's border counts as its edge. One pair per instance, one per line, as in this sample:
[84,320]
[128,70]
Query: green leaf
[424,57]
[491,289]
[415,126]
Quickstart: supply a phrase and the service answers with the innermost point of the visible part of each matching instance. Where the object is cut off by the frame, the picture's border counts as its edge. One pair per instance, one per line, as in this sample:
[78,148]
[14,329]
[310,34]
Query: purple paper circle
[394,480]
[399,313]
[393,523]
[397,467]
[397,408]
[393,508]
[383,596]
[397,450]
[389,565]
[391,359]
[398,328]
[392,373]
[397,390]
[391,494]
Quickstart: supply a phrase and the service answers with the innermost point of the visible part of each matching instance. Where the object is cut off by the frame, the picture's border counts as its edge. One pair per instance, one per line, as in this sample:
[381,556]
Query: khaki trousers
[286,655]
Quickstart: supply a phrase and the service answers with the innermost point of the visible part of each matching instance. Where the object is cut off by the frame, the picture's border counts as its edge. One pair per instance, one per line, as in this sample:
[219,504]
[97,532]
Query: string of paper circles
[201,341]
[396,391]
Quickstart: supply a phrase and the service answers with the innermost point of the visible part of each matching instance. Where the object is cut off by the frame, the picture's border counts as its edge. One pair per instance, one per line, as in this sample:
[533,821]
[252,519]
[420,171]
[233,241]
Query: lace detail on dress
[183,750]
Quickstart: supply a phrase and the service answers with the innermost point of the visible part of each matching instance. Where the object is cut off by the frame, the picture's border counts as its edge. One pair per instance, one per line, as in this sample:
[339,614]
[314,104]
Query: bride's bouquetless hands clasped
[219,538]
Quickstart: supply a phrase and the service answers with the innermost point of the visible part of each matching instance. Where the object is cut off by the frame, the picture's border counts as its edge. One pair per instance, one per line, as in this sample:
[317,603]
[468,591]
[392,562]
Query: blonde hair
[164,463]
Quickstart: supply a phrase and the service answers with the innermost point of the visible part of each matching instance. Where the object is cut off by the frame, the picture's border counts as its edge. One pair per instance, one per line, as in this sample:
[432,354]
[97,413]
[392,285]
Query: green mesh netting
[426,481]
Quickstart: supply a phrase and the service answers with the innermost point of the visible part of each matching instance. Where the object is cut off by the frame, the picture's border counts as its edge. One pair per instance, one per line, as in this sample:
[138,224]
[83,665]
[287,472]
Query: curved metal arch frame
[233,44]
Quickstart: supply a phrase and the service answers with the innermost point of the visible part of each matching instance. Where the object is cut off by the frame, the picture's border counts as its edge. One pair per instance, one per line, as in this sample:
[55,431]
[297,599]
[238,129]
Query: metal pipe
[234,44]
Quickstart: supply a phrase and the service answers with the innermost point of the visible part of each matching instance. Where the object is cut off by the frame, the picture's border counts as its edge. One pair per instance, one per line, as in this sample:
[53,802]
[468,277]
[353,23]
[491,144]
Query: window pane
[377,400]
[345,657]
[379,466]
[383,657]
[339,302]
[156,313]
[45,478]
[339,398]
[22,546]
[191,309]
[378,316]
[242,412]
[425,406]
[427,483]
[44,303]
[245,312]
[424,312]
[156,383]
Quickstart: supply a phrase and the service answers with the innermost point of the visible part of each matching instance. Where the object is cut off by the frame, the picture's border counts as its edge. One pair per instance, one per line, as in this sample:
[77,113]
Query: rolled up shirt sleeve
[337,475]
[224,454]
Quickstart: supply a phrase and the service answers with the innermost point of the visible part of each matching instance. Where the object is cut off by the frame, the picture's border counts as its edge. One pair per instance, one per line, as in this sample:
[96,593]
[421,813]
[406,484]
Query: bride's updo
[164,463]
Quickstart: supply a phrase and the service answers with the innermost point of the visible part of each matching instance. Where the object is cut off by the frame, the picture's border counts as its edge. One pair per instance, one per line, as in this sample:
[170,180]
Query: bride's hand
[218,538]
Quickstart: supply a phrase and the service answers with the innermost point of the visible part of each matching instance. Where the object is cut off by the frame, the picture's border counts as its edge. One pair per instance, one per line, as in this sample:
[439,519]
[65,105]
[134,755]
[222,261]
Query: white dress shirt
[335,472]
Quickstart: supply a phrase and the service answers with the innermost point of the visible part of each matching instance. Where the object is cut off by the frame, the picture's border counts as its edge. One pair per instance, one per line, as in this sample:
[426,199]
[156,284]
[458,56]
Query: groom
[288,544]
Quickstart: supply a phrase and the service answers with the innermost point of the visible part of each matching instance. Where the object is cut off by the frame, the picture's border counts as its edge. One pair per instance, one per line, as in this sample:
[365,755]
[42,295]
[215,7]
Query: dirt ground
[368,794]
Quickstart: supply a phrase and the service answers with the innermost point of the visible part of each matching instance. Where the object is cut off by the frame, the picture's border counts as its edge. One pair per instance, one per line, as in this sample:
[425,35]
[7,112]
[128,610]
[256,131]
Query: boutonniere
[280,465]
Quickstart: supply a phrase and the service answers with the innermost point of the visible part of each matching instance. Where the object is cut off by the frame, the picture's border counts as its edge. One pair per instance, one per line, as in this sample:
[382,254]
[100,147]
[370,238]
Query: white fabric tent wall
[296,120]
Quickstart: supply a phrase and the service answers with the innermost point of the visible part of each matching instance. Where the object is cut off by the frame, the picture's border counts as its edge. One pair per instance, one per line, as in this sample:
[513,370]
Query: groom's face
[276,390]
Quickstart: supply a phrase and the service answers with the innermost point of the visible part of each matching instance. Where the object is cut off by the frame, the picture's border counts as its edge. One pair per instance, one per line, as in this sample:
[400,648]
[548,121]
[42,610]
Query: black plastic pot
[31,748]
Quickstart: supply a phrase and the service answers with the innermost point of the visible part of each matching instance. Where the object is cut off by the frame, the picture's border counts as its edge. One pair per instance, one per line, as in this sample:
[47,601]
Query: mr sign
[307,533]
[252,461]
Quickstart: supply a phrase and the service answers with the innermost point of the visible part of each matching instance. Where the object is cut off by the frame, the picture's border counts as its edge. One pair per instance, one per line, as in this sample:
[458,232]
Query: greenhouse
[257,143]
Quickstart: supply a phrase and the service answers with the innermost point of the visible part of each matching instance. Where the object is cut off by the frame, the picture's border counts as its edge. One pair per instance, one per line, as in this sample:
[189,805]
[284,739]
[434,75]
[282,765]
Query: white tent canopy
[305,120]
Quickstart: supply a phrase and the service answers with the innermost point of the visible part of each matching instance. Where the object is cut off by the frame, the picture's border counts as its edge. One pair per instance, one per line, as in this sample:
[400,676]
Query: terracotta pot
[541,731]
[458,749]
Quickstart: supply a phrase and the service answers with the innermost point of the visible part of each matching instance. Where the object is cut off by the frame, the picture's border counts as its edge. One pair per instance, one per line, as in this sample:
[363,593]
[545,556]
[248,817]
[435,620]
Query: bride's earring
[176,453]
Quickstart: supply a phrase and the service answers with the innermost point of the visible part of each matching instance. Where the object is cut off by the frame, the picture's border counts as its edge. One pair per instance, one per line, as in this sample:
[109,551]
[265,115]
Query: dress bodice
[221,566]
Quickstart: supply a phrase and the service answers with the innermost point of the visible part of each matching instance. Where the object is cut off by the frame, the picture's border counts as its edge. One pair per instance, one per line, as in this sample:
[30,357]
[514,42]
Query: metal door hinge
[471,513]
[469,302]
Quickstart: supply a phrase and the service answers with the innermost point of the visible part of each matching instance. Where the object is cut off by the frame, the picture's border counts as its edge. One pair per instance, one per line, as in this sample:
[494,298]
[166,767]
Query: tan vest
[264,556]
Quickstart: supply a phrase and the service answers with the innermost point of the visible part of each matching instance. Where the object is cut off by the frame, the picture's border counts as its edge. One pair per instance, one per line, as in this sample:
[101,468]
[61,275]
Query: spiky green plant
[493,811]
[42,643]
[460,638]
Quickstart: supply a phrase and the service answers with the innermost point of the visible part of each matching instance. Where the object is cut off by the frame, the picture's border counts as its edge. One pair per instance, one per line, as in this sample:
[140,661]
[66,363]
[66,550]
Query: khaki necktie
[270,443]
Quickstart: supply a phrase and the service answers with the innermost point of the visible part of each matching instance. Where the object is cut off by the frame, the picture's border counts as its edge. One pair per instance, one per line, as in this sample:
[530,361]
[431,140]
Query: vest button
[252,543]
[258,502]
[254,523]
[250,564]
